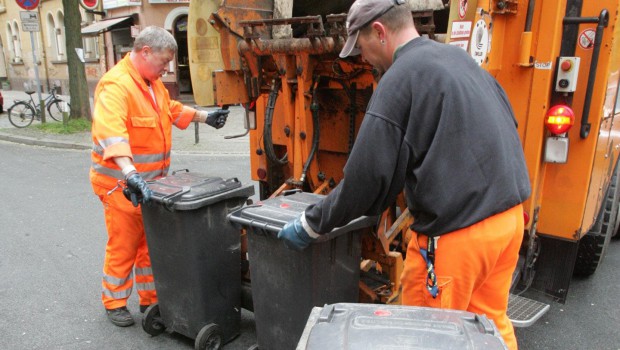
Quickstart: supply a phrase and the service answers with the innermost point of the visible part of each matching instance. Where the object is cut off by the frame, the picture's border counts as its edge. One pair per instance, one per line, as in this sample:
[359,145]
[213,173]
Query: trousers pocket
[444,297]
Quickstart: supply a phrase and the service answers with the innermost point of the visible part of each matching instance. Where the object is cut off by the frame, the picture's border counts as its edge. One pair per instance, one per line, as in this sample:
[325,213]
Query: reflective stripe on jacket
[127,122]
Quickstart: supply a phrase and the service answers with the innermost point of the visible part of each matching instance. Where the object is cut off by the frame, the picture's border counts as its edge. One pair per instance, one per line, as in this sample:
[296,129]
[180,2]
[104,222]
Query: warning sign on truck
[460,29]
[480,42]
[586,38]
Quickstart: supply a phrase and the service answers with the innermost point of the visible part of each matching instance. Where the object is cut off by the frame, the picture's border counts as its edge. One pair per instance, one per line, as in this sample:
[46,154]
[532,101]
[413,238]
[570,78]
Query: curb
[31,141]
[45,142]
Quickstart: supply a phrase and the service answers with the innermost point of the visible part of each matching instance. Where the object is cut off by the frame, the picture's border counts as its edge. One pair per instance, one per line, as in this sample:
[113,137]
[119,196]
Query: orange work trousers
[474,267]
[126,252]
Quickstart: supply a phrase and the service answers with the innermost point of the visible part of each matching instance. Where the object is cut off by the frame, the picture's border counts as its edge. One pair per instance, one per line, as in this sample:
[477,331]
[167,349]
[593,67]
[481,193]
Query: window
[51,37]
[55,38]
[9,41]
[90,44]
[15,42]
[60,36]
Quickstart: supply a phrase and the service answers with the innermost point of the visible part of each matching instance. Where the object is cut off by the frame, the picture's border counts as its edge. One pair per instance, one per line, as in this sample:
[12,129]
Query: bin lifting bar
[315,27]
[602,21]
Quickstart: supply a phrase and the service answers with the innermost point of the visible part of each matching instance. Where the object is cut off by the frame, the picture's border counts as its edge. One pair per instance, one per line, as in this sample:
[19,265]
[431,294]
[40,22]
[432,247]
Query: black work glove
[217,118]
[137,191]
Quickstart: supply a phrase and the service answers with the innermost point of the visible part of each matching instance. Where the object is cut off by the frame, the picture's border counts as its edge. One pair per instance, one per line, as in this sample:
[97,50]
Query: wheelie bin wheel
[152,323]
[209,338]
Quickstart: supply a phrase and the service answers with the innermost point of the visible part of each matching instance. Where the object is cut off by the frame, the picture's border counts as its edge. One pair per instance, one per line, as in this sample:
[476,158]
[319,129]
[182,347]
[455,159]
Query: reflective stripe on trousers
[126,248]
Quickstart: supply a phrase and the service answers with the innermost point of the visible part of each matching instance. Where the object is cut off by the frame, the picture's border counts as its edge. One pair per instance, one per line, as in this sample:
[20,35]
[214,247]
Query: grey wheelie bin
[195,256]
[287,284]
[368,327]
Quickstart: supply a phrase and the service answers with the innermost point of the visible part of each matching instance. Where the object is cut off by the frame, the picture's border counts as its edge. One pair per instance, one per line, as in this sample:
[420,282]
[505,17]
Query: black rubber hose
[314,107]
[267,137]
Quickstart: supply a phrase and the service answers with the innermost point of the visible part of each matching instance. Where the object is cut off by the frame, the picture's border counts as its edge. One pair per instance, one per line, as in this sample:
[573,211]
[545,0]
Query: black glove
[217,118]
[137,191]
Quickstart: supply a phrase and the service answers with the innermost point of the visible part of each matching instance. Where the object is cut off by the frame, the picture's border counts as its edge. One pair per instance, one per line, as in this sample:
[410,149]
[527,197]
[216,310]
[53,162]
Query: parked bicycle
[23,112]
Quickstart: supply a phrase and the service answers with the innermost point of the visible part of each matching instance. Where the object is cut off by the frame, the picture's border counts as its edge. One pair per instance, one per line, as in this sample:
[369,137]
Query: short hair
[397,18]
[156,38]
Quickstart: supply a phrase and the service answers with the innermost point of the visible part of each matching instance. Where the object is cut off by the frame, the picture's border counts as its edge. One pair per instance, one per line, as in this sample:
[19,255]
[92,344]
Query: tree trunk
[78,87]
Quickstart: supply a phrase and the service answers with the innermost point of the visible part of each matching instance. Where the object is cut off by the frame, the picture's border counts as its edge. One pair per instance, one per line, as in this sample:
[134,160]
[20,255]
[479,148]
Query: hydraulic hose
[314,107]
[267,136]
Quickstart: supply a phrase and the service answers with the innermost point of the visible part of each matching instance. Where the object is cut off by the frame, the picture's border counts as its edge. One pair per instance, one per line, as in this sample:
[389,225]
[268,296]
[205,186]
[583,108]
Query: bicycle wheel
[54,109]
[21,114]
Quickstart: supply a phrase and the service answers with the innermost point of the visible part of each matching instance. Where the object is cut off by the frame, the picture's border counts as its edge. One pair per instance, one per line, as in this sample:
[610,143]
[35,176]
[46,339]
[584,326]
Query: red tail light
[559,119]
[526,218]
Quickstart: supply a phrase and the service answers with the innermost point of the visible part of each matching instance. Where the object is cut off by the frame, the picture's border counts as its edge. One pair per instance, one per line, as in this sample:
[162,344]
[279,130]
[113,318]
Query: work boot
[120,316]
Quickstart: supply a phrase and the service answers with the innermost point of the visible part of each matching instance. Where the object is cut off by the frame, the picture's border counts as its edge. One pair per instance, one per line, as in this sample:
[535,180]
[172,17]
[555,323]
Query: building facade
[108,30]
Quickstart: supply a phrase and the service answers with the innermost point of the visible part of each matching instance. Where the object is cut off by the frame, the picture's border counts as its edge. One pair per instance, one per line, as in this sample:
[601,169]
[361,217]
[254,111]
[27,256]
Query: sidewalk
[210,140]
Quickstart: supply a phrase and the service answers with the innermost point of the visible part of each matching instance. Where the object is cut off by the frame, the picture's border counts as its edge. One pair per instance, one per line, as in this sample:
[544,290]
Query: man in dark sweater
[443,129]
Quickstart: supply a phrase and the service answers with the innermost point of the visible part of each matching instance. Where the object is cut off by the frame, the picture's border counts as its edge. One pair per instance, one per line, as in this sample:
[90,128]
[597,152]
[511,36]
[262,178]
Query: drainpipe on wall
[44,52]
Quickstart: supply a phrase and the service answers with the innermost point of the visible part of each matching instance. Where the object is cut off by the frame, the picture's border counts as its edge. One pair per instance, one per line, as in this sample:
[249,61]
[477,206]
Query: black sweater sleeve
[373,176]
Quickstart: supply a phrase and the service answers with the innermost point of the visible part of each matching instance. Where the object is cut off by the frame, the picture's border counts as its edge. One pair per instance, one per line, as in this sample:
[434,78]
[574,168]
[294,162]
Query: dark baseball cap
[361,13]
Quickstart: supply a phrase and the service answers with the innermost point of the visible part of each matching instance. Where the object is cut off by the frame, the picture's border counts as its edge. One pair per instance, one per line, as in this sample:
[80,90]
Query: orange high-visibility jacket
[127,122]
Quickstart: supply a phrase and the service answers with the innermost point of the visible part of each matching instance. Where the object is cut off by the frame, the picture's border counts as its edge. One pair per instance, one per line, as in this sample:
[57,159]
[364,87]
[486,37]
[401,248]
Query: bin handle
[236,208]
[359,223]
[253,223]
[171,199]
[291,191]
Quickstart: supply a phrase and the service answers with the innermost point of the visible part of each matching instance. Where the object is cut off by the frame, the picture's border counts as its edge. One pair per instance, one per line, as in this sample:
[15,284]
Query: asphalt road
[52,239]
[51,254]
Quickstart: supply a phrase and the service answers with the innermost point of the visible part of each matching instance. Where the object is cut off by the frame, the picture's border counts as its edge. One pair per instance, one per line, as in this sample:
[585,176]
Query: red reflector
[262,173]
[526,218]
[559,119]
[382,313]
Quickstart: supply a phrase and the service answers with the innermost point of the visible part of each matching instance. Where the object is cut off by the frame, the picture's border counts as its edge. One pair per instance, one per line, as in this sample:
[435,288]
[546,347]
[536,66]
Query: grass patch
[74,126]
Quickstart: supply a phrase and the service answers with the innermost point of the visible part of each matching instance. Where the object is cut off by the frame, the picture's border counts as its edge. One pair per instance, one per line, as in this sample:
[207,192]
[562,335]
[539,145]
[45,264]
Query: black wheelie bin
[367,327]
[287,284]
[195,256]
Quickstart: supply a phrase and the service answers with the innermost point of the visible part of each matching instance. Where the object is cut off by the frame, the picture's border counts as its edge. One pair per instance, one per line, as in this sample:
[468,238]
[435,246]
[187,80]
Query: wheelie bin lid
[187,191]
[272,214]
[371,326]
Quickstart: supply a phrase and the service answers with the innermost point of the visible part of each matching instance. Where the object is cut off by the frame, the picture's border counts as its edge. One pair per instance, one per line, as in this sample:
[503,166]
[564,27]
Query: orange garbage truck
[558,61]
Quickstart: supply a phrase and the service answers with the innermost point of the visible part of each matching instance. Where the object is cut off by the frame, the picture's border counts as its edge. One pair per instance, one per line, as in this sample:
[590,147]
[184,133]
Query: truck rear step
[524,312]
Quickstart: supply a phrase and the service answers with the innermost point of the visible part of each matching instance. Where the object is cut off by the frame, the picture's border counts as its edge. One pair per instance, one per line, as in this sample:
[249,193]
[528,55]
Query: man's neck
[401,39]
[404,37]
[137,63]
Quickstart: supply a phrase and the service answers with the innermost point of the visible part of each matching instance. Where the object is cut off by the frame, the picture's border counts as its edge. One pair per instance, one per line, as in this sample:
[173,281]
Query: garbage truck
[558,61]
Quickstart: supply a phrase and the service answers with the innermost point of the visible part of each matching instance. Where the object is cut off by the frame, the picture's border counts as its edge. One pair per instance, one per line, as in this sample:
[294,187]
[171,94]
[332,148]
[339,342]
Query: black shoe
[120,316]
[144,307]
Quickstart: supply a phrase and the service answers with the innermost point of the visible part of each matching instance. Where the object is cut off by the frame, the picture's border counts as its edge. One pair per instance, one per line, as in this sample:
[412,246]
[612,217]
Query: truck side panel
[572,193]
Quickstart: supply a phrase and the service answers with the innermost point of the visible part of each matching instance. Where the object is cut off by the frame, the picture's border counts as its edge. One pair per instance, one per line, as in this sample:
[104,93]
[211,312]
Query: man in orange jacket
[132,134]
